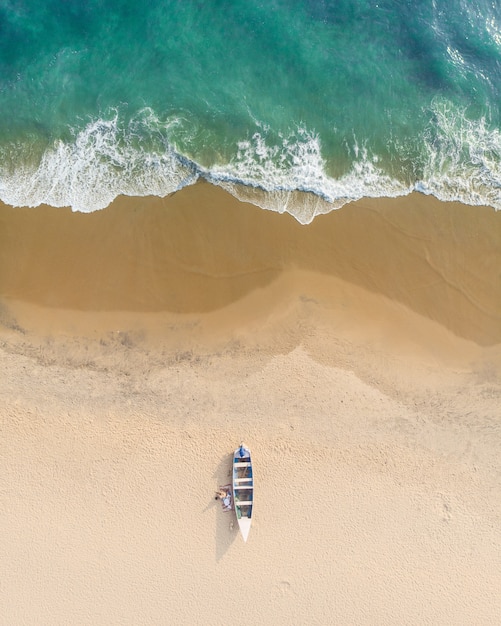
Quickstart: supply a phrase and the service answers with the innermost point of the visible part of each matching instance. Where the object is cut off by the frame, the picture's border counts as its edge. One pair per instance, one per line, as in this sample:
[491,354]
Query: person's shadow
[226,522]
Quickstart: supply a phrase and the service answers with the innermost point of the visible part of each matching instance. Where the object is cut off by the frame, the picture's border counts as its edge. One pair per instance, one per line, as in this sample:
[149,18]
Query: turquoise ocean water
[341,98]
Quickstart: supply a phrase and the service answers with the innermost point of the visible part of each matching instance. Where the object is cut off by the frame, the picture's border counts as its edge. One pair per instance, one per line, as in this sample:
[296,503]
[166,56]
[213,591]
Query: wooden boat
[243,489]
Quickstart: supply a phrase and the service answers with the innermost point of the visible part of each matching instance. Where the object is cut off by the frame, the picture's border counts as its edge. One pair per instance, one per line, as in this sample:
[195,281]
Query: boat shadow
[226,522]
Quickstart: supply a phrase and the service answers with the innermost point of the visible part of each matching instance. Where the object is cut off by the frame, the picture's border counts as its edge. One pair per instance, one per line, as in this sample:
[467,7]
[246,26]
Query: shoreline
[201,250]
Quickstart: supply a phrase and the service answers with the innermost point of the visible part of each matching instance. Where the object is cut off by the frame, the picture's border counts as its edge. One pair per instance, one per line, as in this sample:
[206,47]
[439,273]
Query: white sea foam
[296,165]
[90,172]
[461,161]
[103,162]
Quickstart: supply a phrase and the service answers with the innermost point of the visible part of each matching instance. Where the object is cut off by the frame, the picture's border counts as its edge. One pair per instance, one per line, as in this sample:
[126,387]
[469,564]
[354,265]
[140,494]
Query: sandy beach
[359,357]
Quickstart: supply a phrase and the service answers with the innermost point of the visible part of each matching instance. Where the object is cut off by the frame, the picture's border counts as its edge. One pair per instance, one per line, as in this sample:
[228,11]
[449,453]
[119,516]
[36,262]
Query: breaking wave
[457,159]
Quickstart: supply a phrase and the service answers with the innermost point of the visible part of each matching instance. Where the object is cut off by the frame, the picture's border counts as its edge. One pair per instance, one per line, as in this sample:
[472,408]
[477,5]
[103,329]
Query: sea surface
[340,98]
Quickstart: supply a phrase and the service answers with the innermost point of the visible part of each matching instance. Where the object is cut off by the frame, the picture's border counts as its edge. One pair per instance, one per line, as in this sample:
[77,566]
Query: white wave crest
[104,161]
[461,162]
[462,158]
[89,173]
[296,165]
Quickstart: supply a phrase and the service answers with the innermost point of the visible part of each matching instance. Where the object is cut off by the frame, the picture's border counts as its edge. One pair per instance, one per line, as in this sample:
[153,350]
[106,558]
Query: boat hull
[243,489]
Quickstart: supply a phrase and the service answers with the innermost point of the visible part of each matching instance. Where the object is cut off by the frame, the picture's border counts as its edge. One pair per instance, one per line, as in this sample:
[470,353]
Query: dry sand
[359,358]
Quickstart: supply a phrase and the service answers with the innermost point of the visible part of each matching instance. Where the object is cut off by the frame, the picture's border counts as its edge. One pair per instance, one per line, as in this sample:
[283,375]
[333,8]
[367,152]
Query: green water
[342,98]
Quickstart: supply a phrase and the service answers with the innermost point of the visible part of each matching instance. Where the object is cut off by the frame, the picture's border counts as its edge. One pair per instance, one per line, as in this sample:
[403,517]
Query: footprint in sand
[282,589]
[445,509]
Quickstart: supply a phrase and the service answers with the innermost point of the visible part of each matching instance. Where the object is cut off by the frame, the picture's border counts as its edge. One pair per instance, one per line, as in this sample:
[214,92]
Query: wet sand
[359,357]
